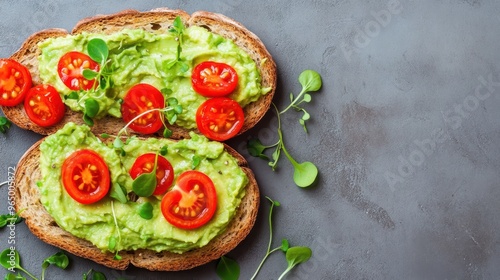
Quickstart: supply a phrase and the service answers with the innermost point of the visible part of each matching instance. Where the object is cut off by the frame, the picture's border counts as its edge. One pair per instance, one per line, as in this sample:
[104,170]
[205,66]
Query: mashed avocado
[95,222]
[138,56]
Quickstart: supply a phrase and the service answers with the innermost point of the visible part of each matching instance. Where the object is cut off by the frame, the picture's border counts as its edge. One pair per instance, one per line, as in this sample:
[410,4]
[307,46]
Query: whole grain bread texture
[42,225]
[157,21]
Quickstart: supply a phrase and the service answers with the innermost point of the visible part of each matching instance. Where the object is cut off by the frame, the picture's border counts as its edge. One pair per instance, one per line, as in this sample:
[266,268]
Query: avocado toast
[32,185]
[158,21]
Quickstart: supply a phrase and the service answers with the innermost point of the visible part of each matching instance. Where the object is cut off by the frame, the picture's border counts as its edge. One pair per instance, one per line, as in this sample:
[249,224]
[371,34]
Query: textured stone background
[405,132]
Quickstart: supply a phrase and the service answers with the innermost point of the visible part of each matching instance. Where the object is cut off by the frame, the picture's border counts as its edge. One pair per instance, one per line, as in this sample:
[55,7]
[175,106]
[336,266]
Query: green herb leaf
[88,120]
[9,219]
[145,184]
[228,269]
[178,25]
[98,50]
[91,107]
[285,245]
[4,124]
[166,91]
[310,80]
[118,192]
[164,150]
[305,174]
[105,135]
[59,259]
[96,275]
[256,149]
[9,258]
[72,95]
[11,276]
[295,256]
[195,161]
[167,133]
[112,243]
[89,74]
[118,143]
[307,98]
[145,210]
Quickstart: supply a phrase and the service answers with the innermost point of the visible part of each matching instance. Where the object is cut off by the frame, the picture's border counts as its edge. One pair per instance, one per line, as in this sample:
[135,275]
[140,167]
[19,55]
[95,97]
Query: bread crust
[156,21]
[42,225]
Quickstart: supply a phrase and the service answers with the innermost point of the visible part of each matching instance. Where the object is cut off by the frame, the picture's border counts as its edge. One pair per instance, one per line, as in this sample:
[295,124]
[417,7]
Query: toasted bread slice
[157,21]
[44,227]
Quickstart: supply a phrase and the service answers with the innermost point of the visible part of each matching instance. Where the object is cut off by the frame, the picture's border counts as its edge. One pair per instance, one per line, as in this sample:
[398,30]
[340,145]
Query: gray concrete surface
[405,132]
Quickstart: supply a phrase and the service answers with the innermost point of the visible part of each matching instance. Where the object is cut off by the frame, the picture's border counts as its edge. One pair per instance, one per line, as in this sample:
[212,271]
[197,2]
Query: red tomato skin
[44,98]
[163,165]
[73,78]
[85,156]
[185,183]
[205,116]
[9,82]
[207,79]
[133,102]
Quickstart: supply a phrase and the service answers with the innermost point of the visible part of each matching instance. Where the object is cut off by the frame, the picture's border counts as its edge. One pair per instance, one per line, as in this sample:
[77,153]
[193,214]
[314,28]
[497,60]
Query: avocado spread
[96,222]
[137,56]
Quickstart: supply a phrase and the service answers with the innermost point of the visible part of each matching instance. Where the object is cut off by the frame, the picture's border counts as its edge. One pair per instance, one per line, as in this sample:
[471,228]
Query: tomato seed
[86,64]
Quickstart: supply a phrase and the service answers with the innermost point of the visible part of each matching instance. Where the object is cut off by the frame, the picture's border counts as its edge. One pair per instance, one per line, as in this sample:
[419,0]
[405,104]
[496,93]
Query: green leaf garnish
[228,269]
[145,210]
[145,184]
[98,50]
[164,150]
[9,219]
[10,259]
[91,107]
[118,192]
[59,259]
[295,256]
[72,95]
[195,161]
[4,124]
[305,173]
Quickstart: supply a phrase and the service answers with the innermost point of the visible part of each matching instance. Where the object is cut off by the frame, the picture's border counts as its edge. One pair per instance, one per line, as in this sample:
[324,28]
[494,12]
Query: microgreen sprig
[310,81]
[170,112]
[305,173]
[10,259]
[93,275]
[144,185]
[293,255]
[178,30]
[4,124]
[99,52]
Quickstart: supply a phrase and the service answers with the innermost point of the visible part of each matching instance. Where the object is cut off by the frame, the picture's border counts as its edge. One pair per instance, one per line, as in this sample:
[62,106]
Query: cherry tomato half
[213,79]
[44,105]
[192,202]
[15,81]
[139,99]
[70,69]
[85,176]
[220,118]
[164,171]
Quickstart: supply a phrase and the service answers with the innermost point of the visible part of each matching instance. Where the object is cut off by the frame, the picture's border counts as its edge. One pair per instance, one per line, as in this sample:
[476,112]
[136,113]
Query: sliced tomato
[44,105]
[192,202]
[213,79]
[15,81]
[220,118]
[85,176]
[70,69]
[139,99]
[164,171]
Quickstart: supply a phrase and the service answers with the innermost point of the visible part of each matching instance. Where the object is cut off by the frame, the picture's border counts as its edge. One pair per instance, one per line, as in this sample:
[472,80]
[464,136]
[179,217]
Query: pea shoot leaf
[228,269]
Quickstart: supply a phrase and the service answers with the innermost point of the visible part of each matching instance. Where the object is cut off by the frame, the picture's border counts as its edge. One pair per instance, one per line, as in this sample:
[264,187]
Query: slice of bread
[44,227]
[156,21]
